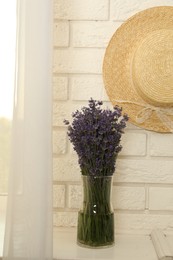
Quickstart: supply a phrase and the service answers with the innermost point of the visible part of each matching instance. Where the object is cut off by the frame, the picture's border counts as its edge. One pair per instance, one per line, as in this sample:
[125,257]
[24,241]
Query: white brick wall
[132,198]
[61,34]
[60,88]
[92,34]
[85,87]
[161,198]
[143,181]
[161,145]
[78,60]
[81,10]
[75,196]
[134,144]
[144,170]
[59,196]
[142,222]
[59,142]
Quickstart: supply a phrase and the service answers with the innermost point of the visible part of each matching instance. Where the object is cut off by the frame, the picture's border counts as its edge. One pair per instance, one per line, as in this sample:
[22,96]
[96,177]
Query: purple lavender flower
[95,134]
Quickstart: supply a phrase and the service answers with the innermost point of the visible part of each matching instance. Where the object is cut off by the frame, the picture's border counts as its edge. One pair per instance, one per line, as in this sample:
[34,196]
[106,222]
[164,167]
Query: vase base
[95,247]
[95,230]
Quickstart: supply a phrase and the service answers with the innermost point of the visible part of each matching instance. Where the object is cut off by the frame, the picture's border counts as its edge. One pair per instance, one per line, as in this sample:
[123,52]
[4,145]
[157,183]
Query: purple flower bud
[95,134]
[66,122]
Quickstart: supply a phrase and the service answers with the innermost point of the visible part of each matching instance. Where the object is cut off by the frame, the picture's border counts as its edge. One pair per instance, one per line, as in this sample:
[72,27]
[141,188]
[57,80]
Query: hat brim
[117,71]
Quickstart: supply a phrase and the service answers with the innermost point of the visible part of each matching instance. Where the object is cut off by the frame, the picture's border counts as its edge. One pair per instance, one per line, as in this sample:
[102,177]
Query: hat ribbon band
[145,113]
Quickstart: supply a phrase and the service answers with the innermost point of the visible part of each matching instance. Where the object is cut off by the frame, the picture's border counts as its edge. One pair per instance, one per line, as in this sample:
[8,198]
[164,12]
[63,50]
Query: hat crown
[152,68]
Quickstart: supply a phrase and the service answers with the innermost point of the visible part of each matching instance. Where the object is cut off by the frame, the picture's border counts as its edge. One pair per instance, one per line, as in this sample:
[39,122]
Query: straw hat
[138,68]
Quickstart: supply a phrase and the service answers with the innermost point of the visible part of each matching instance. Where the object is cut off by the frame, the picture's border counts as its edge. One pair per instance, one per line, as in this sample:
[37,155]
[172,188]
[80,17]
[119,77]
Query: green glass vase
[95,227]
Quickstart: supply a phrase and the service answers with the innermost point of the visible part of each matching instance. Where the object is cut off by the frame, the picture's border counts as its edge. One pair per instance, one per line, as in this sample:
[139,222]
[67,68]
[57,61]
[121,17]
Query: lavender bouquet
[95,134]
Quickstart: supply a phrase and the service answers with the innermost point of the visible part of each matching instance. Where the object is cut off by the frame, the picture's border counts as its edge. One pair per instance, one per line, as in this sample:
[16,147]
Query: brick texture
[81,10]
[63,110]
[161,198]
[65,219]
[161,145]
[59,142]
[83,88]
[93,34]
[60,88]
[61,34]
[78,61]
[66,169]
[59,196]
[132,198]
[142,222]
[134,144]
[75,196]
[144,171]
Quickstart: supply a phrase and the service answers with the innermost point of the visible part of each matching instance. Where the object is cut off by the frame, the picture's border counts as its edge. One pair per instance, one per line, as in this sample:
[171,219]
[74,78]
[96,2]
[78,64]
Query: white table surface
[132,247]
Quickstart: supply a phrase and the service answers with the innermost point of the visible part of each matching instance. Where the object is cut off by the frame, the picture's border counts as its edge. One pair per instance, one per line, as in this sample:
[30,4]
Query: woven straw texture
[138,67]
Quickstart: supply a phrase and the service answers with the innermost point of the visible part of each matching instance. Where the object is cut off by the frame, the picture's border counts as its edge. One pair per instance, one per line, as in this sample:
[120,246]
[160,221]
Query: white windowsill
[127,246]
[134,247]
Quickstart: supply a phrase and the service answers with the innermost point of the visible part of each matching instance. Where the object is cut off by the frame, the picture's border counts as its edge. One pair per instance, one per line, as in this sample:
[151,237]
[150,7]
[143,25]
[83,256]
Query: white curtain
[28,233]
